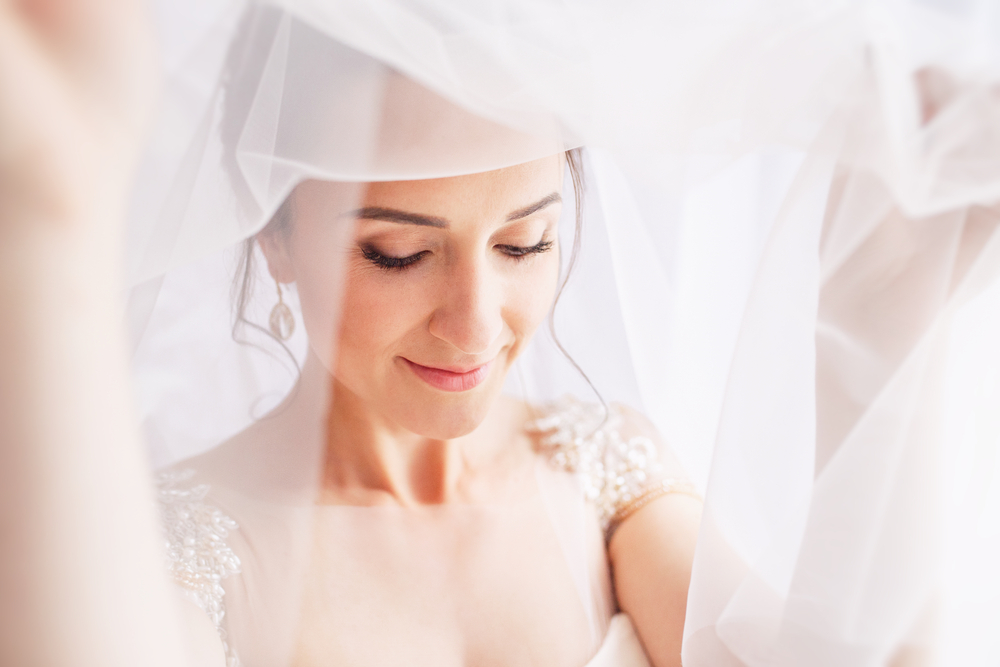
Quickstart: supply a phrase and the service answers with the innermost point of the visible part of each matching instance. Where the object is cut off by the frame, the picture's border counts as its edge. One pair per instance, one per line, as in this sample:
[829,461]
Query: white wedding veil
[788,259]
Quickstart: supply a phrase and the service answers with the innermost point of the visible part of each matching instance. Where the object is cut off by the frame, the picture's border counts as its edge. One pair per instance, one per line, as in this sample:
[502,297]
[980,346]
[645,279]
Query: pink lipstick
[446,380]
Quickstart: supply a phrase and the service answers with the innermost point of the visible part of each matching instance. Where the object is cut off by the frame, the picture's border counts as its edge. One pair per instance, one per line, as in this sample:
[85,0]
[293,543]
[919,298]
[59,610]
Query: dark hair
[574,162]
[244,277]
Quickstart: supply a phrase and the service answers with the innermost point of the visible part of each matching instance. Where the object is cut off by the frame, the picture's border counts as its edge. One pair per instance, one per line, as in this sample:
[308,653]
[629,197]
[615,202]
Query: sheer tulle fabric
[789,205]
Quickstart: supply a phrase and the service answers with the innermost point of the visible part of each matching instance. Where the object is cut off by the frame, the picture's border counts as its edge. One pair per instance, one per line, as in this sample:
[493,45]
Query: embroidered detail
[648,495]
[198,558]
[579,439]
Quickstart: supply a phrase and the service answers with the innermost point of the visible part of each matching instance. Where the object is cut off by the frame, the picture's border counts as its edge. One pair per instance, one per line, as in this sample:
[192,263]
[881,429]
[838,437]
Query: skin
[466,301]
[80,562]
[75,94]
[651,556]
[80,565]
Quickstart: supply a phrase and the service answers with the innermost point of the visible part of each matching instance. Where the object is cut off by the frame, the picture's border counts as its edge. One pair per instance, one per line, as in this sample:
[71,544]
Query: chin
[448,417]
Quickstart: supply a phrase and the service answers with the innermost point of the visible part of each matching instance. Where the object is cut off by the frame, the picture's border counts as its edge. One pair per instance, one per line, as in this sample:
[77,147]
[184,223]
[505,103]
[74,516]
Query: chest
[474,585]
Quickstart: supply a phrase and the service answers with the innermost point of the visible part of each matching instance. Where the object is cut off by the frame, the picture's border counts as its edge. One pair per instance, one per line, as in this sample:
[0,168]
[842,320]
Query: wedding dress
[397,584]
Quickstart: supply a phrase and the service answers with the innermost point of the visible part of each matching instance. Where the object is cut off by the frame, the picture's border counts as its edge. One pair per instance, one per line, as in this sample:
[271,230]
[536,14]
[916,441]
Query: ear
[274,245]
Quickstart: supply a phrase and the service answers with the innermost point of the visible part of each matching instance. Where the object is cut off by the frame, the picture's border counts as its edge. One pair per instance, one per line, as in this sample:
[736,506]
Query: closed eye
[390,263]
[520,252]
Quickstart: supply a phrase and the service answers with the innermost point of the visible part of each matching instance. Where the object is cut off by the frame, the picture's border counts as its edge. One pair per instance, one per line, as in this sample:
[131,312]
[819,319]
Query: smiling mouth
[446,380]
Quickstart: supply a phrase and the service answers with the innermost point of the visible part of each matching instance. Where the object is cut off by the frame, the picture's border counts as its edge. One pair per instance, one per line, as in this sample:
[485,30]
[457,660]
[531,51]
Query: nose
[469,313]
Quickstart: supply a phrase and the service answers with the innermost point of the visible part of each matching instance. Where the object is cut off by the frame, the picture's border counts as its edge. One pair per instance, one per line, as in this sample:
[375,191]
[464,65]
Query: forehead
[482,196]
[491,193]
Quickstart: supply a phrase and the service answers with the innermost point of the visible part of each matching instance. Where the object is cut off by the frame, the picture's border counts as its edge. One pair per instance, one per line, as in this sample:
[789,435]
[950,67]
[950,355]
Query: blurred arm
[81,561]
[80,554]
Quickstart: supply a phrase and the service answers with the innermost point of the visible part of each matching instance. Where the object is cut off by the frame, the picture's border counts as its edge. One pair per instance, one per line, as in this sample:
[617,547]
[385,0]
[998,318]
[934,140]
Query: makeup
[450,380]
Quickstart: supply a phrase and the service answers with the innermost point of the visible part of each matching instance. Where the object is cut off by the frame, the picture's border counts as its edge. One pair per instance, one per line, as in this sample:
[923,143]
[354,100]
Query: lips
[448,380]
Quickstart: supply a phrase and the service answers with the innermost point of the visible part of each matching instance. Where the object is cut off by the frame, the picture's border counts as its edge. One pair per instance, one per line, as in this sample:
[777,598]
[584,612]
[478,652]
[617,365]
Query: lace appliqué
[578,439]
[198,558]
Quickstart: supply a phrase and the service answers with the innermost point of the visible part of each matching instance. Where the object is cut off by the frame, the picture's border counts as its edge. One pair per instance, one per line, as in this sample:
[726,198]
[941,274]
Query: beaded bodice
[198,558]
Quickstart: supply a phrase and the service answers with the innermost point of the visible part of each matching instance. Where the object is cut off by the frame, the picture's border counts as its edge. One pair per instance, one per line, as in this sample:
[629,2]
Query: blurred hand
[77,83]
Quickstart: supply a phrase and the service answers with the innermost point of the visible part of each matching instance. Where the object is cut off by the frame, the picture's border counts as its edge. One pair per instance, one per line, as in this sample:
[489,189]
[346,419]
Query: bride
[340,247]
[430,524]
[432,542]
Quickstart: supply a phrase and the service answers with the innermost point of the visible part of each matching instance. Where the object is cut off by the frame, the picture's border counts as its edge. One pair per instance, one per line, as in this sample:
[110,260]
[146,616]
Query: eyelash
[390,263]
[517,253]
[520,252]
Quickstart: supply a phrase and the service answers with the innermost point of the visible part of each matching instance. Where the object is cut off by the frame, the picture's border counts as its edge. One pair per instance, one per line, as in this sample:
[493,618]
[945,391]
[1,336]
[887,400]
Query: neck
[372,460]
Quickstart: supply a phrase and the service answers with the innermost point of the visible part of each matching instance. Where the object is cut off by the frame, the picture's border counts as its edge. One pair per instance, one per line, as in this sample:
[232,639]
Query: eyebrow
[405,218]
[392,215]
[534,208]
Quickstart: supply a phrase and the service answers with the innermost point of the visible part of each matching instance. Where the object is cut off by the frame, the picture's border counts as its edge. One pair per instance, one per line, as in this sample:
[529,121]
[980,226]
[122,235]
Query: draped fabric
[788,262]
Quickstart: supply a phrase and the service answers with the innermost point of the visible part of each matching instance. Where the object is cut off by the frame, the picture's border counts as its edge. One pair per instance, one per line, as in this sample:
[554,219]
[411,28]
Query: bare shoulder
[274,458]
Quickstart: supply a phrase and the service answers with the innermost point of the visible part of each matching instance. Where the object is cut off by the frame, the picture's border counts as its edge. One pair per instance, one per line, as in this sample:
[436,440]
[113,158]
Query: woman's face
[446,281]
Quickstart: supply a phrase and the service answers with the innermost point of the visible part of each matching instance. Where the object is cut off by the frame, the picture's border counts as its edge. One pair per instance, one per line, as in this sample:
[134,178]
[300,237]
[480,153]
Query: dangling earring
[281,322]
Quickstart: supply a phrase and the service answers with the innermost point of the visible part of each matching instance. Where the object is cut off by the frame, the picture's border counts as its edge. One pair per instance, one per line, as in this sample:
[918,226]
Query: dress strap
[198,558]
[619,476]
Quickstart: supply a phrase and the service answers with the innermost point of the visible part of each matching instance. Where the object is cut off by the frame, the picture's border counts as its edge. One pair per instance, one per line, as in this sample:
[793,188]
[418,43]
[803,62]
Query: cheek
[532,297]
[378,314]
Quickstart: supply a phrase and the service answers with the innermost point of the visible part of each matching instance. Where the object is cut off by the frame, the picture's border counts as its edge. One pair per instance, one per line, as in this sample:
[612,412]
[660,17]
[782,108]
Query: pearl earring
[281,322]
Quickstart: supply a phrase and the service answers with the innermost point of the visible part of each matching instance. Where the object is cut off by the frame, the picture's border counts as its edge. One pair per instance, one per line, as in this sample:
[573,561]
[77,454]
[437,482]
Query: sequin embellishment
[578,439]
[198,558]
